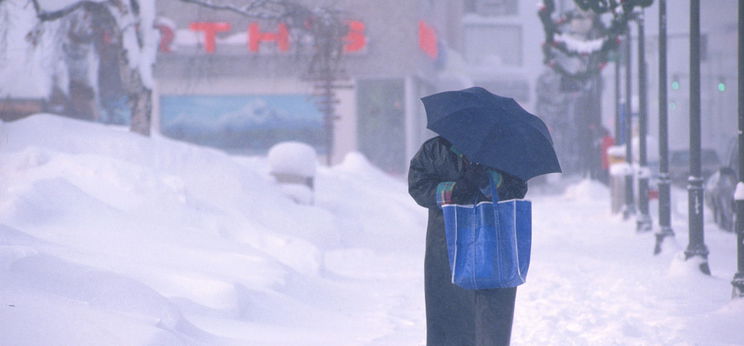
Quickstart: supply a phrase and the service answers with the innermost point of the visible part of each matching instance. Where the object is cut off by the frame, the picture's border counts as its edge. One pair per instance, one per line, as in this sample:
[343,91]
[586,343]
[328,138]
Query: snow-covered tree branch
[46,14]
[260,9]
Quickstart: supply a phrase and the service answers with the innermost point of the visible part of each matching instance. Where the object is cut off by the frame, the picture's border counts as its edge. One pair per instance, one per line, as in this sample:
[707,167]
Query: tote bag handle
[494,191]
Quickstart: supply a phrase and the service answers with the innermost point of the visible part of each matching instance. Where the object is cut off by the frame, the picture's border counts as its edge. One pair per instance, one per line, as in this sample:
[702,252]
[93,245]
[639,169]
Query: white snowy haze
[253,216]
[111,238]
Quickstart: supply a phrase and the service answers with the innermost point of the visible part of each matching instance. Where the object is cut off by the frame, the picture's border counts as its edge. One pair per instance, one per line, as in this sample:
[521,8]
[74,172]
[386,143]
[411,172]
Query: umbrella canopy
[492,130]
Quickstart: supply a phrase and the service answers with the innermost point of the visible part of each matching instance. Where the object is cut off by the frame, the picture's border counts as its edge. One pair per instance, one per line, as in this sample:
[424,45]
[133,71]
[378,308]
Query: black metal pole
[618,124]
[665,205]
[643,221]
[330,116]
[738,282]
[629,200]
[696,247]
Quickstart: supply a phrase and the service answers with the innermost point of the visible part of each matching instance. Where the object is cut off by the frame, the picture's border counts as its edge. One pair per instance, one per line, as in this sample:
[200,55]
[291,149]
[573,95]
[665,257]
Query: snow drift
[110,238]
[126,235]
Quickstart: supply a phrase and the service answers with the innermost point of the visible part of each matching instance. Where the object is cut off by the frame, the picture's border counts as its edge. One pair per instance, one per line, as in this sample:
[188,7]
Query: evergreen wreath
[604,6]
[597,50]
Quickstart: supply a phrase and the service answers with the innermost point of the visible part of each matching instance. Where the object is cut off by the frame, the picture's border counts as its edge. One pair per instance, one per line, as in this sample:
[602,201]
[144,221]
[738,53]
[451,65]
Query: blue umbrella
[492,130]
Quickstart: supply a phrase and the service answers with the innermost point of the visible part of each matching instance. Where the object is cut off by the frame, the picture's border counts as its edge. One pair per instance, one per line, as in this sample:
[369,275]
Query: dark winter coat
[456,316]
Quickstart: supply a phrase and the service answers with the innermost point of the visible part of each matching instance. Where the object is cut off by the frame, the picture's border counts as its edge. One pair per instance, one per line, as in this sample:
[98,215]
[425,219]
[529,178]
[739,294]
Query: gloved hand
[468,187]
[513,188]
[476,175]
[463,192]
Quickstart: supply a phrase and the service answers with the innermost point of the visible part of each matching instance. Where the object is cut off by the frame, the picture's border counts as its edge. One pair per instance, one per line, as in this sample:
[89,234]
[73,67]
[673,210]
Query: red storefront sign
[428,40]
[256,37]
[210,30]
[355,39]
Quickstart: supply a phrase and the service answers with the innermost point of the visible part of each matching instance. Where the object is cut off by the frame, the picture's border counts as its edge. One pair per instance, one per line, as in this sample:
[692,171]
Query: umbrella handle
[494,191]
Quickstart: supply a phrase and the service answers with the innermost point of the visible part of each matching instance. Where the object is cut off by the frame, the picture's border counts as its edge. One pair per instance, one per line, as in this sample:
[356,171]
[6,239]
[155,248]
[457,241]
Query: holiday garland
[598,50]
[604,6]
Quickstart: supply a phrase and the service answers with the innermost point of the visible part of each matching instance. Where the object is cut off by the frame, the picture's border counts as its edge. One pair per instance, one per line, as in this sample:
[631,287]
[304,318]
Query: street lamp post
[665,228]
[629,200]
[738,282]
[643,221]
[696,247]
[618,130]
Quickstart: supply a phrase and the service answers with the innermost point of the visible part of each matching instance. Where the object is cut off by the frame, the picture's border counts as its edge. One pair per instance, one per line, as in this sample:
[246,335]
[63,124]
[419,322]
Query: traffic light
[721,84]
[675,82]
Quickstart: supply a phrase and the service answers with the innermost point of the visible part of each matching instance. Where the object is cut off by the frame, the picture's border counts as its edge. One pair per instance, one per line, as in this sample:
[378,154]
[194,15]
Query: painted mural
[248,124]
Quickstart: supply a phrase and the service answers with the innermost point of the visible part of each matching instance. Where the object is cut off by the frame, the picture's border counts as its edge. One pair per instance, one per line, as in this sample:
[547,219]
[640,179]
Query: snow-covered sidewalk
[594,280]
[110,238]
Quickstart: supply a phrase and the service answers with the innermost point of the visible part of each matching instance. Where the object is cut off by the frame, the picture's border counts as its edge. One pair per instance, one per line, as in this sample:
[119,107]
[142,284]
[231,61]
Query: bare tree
[137,43]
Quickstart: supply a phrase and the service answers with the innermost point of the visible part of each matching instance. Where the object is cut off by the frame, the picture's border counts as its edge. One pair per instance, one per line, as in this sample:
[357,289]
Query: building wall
[508,78]
[392,53]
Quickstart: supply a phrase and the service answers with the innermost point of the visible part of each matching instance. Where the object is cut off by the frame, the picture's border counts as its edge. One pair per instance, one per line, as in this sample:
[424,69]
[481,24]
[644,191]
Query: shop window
[245,124]
[381,123]
[493,44]
[492,7]
[516,89]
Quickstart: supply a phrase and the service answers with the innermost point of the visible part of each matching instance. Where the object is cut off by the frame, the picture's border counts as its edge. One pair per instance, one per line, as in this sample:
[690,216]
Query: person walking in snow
[485,142]
[454,315]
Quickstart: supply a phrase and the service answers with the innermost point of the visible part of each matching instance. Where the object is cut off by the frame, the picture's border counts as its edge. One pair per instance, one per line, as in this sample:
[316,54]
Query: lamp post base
[738,285]
[643,223]
[664,232]
[628,211]
[701,251]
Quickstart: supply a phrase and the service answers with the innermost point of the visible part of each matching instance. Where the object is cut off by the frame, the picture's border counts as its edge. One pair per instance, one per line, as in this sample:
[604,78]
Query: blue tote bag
[489,243]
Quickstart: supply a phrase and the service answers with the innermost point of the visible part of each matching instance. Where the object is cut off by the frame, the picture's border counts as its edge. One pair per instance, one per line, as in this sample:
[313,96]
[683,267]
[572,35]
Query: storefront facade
[237,84]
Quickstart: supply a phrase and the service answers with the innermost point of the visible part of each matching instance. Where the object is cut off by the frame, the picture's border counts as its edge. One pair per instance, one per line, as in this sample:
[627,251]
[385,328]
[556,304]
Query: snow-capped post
[293,165]
[665,205]
[696,247]
[619,170]
[643,220]
[738,281]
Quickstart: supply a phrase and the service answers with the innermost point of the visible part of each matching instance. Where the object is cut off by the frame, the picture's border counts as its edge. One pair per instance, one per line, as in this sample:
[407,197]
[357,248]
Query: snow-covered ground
[594,280]
[110,238]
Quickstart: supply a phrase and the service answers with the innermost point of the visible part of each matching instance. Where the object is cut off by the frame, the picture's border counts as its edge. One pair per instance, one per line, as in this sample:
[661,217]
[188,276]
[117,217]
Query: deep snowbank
[594,280]
[110,238]
[128,234]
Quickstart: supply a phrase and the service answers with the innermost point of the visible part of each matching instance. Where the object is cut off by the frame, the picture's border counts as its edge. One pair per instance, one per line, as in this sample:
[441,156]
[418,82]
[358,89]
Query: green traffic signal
[675,85]
[721,86]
